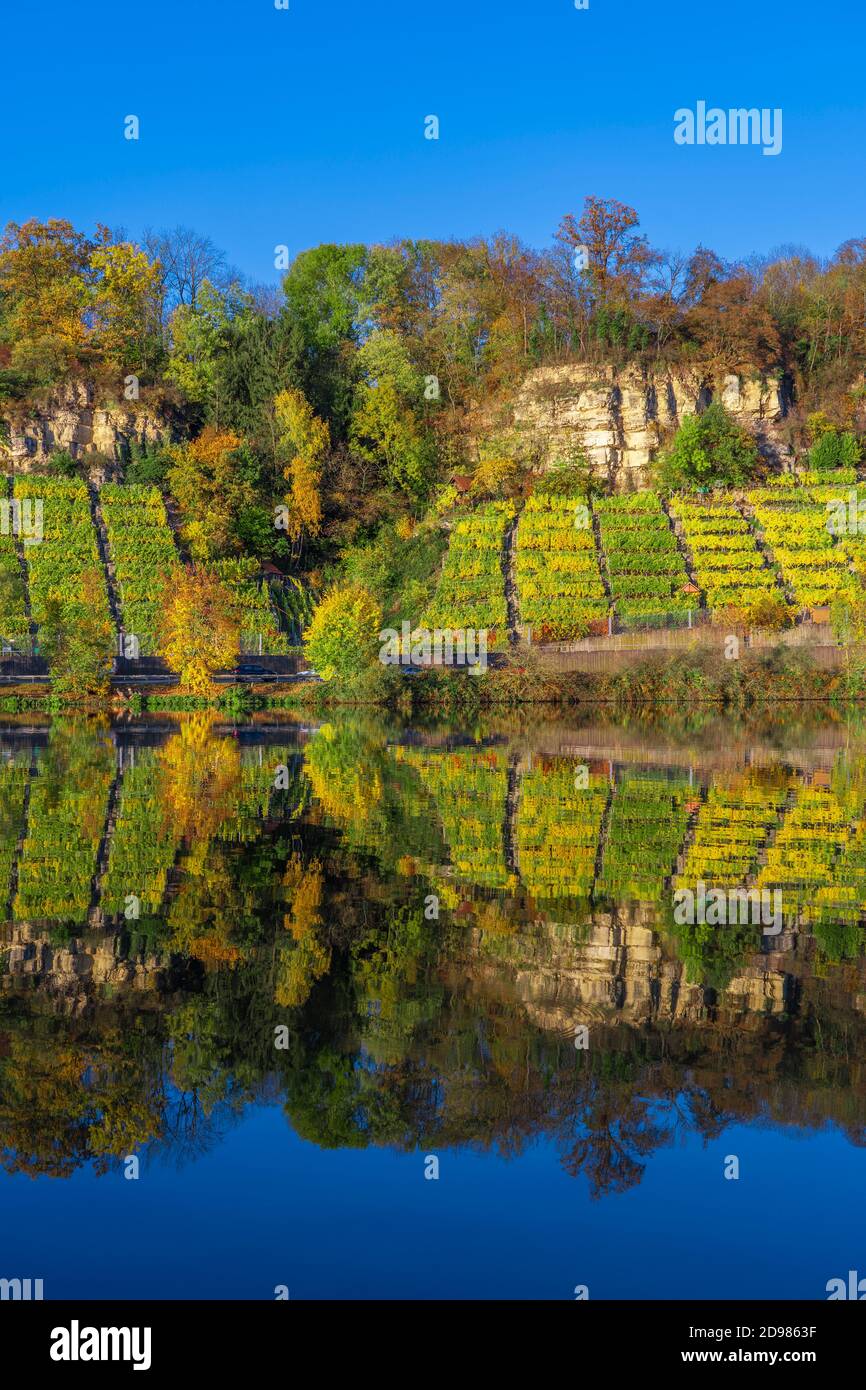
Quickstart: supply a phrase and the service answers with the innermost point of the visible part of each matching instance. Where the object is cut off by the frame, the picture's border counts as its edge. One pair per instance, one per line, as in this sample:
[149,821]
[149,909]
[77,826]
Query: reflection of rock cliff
[72,420]
[621,417]
[619,969]
[76,969]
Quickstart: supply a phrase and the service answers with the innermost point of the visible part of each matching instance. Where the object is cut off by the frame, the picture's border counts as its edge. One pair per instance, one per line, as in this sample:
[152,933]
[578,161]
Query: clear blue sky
[261,126]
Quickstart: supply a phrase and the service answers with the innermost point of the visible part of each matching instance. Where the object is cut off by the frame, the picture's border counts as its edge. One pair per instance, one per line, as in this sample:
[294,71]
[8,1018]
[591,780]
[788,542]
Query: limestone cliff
[72,420]
[621,417]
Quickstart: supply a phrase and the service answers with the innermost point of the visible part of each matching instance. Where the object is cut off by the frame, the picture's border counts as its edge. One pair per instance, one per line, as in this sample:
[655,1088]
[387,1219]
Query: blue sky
[262,127]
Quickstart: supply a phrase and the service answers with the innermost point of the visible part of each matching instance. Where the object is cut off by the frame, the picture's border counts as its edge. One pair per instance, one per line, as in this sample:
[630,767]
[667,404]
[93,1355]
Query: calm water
[284,972]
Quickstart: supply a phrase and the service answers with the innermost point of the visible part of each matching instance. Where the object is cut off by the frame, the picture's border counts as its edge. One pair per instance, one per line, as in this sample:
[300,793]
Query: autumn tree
[125,307]
[342,638]
[45,282]
[199,629]
[618,258]
[304,441]
[213,480]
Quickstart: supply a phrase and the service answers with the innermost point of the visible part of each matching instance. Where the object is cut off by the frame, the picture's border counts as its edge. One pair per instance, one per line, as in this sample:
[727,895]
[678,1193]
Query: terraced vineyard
[559,582]
[727,562]
[14,627]
[812,555]
[65,825]
[143,844]
[648,578]
[470,593]
[471,791]
[558,827]
[142,549]
[647,825]
[733,827]
[58,564]
[143,556]
[638,563]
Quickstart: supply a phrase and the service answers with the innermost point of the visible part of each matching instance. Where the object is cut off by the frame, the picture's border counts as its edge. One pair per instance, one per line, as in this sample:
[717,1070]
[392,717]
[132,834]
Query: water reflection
[397,935]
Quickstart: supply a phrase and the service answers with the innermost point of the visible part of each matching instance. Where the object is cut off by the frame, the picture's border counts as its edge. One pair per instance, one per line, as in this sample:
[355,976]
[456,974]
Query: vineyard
[63,564]
[561,837]
[558,576]
[471,591]
[143,552]
[633,561]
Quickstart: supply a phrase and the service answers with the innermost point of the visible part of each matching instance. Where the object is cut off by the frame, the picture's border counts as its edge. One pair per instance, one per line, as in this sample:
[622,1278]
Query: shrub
[343,636]
[709,450]
[770,613]
[834,449]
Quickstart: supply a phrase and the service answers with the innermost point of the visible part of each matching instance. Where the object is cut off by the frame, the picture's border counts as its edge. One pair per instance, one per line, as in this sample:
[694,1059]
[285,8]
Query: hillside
[628,562]
[113,549]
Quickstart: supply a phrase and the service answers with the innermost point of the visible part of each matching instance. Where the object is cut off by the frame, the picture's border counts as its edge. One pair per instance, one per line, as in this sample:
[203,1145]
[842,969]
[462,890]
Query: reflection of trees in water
[404,1031]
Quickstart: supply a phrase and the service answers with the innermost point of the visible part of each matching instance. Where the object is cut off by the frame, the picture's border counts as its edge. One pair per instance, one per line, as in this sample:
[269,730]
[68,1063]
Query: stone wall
[621,417]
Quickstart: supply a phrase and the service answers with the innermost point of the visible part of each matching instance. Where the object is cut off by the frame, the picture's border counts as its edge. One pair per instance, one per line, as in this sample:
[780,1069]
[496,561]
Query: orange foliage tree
[199,630]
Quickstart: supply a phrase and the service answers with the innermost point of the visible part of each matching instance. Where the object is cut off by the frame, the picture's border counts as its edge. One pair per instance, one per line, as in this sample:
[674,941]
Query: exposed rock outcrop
[621,417]
[72,420]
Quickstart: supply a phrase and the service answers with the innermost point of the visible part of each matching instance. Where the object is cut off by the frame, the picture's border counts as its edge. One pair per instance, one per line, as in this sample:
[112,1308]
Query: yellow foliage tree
[199,630]
[211,491]
[307,439]
[126,305]
[343,636]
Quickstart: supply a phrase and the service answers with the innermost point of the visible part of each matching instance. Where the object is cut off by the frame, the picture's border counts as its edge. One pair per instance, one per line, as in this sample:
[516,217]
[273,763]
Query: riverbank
[697,677]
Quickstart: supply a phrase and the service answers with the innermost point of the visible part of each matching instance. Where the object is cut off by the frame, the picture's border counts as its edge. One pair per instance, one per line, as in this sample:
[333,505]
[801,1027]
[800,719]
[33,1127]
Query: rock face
[71,420]
[621,417]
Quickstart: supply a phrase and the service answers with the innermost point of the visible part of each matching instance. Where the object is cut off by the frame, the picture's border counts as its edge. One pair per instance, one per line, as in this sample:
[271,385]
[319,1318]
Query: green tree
[709,450]
[834,449]
[342,639]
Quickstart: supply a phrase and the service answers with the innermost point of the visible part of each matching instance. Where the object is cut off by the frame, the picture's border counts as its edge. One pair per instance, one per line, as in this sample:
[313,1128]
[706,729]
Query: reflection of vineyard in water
[173,899]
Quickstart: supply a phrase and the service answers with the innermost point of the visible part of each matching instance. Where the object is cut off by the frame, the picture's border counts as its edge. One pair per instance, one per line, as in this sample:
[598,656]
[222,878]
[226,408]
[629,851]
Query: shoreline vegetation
[700,678]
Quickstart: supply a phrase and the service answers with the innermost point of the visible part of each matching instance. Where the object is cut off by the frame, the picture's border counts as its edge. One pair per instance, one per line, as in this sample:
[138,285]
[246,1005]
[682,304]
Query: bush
[770,613]
[834,449]
[709,450]
[343,638]
[61,464]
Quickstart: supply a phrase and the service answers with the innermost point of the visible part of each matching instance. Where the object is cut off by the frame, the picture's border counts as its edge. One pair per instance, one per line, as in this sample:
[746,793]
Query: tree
[385,428]
[834,448]
[305,439]
[199,630]
[617,258]
[709,450]
[45,282]
[200,334]
[125,307]
[322,311]
[343,636]
[78,638]
[187,262]
[214,480]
